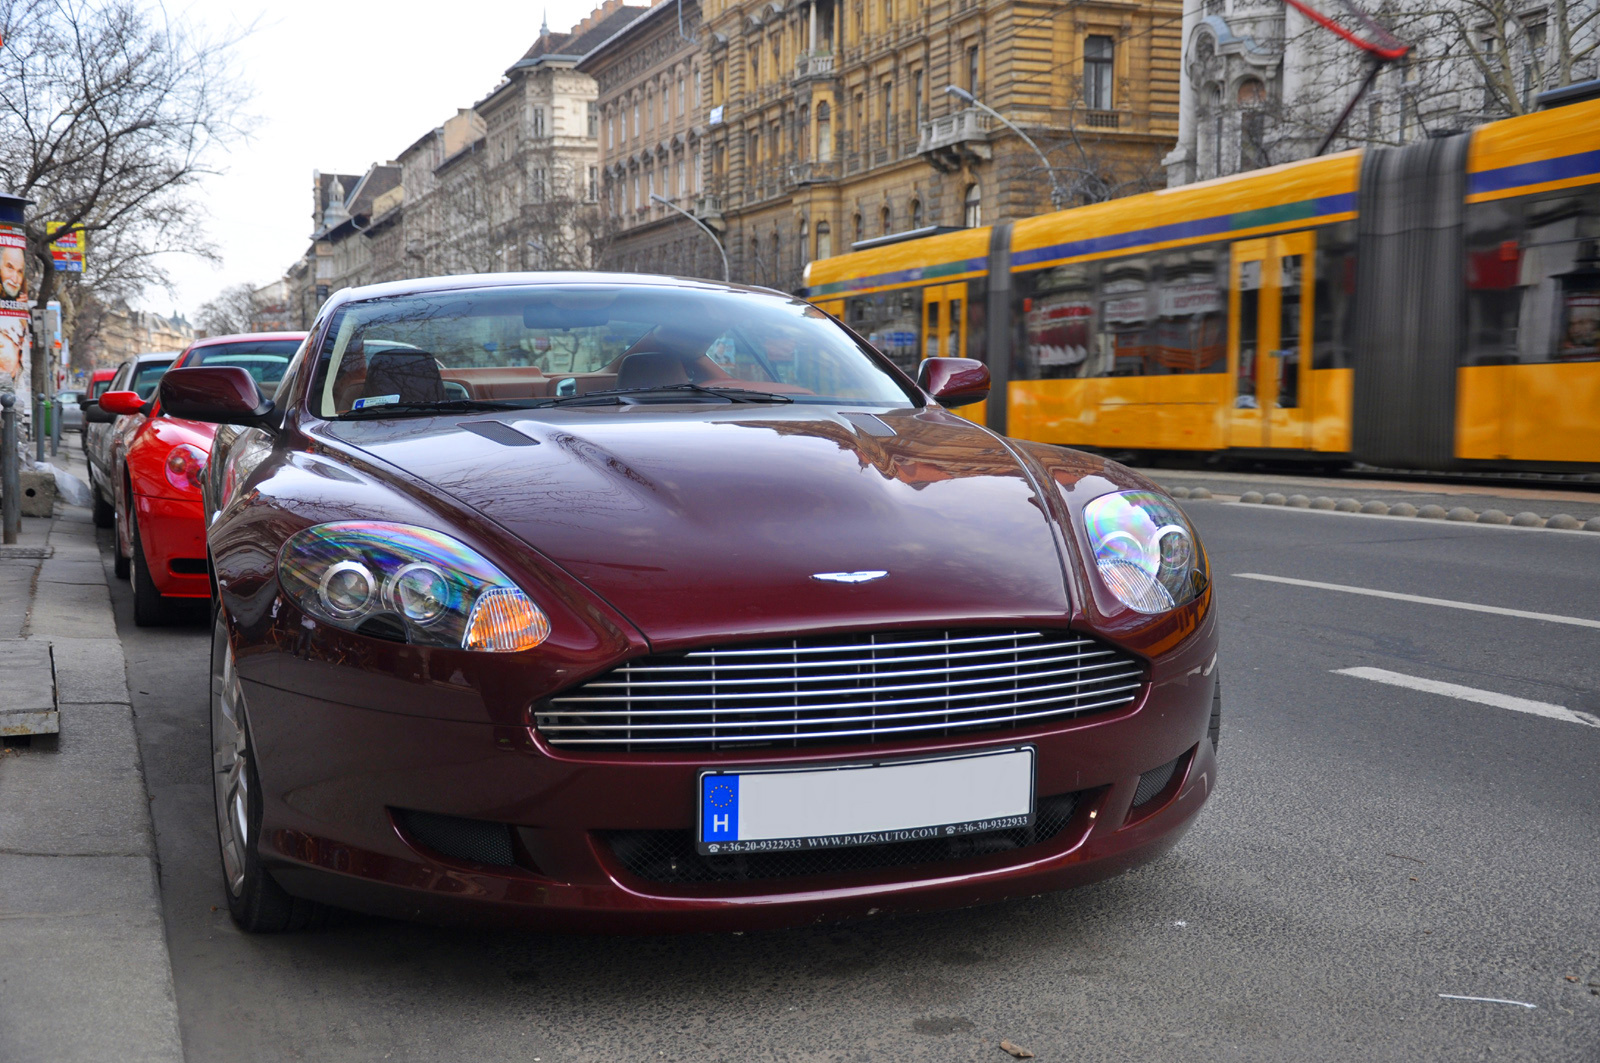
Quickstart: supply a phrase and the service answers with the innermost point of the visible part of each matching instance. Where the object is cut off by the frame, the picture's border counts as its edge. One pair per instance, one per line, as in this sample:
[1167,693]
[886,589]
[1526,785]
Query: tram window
[1333,305]
[977,319]
[1125,324]
[1289,332]
[1058,324]
[1249,319]
[891,322]
[1533,279]
[1192,334]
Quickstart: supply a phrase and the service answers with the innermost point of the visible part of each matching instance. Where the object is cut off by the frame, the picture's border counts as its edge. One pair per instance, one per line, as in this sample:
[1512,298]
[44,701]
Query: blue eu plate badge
[719,808]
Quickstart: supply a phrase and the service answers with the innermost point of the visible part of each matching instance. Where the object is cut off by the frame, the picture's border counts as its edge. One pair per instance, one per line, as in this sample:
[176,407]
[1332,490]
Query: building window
[777,53]
[695,77]
[860,227]
[1099,54]
[916,98]
[636,126]
[824,240]
[678,187]
[805,242]
[916,213]
[1252,124]
[972,212]
[592,112]
[886,103]
[886,218]
[888,14]
[611,132]
[665,93]
[972,69]
[538,121]
[824,132]
[594,183]
[805,132]
[755,64]
[697,181]
[680,94]
[753,156]
[649,108]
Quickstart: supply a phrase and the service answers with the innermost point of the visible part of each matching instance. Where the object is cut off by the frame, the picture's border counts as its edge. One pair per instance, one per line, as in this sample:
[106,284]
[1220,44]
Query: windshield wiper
[618,395]
[389,409]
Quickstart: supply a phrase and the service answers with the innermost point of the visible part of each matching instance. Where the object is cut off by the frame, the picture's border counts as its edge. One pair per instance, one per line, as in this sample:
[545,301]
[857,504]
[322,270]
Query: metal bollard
[10,478]
[38,427]
[55,424]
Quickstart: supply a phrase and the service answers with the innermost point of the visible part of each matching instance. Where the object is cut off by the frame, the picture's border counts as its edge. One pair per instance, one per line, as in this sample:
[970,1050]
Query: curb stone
[1460,514]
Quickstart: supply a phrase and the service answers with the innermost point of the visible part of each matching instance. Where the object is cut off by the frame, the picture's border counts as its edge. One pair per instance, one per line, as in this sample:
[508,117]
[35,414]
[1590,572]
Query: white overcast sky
[337,87]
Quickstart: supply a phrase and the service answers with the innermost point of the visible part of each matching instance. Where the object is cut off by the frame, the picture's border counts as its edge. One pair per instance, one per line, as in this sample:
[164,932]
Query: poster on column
[14,338]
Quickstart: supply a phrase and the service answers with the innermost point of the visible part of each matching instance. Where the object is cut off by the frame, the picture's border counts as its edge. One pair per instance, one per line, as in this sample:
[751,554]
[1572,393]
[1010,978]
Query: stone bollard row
[1561,521]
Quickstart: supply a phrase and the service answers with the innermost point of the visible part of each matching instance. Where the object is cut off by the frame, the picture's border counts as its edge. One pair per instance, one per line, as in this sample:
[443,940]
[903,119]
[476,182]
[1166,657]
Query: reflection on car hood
[697,523]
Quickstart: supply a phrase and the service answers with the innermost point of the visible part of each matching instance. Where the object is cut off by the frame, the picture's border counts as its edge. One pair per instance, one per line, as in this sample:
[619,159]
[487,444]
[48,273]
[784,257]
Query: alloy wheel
[230,753]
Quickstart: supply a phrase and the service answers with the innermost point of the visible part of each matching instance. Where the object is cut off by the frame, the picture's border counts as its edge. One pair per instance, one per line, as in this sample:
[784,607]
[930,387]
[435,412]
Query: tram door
[1269,339]
[944,332]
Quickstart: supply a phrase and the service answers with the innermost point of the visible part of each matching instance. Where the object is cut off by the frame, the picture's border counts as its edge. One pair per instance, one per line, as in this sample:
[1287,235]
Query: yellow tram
[1432,306]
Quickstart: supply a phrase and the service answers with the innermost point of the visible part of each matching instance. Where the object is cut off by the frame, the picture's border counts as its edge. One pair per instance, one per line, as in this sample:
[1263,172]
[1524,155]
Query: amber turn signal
[505,620]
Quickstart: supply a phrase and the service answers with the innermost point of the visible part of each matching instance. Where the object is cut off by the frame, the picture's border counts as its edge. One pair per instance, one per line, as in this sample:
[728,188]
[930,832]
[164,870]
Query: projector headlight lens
[1145,550]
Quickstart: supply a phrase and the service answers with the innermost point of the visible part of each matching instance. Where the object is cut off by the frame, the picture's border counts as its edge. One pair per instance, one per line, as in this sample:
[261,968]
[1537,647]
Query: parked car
[612,602]
[69,410]
[160,542]
[88,399]
[107,433]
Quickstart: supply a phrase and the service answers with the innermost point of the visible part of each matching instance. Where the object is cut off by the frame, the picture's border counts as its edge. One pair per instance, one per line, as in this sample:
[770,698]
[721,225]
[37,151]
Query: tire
[120,562]
[1214,730]
[150,609]
[105,514]
[255,900]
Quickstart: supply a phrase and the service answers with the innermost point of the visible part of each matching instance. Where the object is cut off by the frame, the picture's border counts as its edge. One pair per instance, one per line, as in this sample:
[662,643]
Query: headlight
[1145,550]
[440,592]
[186,463]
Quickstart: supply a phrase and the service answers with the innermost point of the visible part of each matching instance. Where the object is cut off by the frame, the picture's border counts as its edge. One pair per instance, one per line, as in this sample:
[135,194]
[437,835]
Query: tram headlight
[1145,551]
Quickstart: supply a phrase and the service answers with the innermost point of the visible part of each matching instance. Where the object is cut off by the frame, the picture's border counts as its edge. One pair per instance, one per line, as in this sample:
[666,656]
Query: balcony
[814,172]
[816,65]
[947,142]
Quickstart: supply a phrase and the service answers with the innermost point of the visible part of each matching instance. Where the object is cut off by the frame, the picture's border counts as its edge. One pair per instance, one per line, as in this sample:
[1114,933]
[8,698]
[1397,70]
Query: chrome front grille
[880,687]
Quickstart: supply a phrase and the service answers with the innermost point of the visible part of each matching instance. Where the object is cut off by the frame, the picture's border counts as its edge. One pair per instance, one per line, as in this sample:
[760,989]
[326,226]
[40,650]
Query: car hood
[699,524]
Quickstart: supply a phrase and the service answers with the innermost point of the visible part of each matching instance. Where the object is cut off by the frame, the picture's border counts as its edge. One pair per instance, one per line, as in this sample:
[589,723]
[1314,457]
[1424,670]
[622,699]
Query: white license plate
[782,809]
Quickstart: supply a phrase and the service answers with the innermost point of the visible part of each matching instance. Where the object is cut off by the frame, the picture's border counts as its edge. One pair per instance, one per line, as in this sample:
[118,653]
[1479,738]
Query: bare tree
[109,116]
[230,310]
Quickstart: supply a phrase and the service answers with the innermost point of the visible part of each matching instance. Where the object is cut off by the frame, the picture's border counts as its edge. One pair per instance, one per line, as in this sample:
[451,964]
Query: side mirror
[219,394]
[121,402]
[954,381]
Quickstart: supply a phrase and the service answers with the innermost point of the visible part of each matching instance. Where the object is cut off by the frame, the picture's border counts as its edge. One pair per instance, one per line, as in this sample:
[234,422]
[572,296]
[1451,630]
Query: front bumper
[333,775]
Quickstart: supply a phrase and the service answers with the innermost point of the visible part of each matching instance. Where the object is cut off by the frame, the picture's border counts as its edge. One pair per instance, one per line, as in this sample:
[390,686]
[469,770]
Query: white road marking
[1474,607]
[1488,1000]
[1482,697]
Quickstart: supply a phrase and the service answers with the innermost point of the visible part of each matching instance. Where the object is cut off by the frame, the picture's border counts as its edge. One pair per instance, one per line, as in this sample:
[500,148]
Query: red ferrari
[159,521]
[612,602]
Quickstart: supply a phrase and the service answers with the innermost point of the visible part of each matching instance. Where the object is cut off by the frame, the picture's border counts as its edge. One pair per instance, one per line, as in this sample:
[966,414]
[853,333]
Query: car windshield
[146,376]
[99,388]
[266,360]
[590,344]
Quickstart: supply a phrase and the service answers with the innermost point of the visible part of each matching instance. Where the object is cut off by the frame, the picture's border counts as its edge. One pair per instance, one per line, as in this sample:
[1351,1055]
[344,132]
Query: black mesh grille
[476,840]
[857,688]
[670,855]
[1151,783]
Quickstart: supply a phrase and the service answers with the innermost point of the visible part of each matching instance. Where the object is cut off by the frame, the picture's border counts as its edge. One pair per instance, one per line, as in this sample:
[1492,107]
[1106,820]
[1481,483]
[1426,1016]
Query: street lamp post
[1058,196]
[727,275]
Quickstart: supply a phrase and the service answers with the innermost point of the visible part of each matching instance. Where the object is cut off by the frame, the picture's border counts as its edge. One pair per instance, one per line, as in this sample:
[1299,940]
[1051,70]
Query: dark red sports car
[615,602]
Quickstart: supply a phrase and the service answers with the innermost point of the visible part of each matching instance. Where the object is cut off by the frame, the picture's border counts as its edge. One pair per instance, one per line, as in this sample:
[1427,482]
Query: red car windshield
[147,376]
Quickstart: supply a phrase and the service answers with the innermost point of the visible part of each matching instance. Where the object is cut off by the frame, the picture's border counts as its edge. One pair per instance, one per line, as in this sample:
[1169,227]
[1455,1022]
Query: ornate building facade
[652,141]
[829,122]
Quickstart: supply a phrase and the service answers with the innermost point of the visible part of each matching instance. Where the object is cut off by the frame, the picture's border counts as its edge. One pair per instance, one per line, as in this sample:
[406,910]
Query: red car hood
[697,525]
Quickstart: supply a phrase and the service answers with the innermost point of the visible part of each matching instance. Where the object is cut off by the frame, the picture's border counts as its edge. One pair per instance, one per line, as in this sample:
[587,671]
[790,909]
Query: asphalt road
[1370,848]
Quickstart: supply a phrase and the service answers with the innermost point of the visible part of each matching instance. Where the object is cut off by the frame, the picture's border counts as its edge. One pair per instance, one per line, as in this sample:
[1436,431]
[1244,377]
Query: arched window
[824,240]
[916,213]
[804,138]
[886,216]
[972,207]
[805,241]
[824,132]
[860,227]
[1252,124]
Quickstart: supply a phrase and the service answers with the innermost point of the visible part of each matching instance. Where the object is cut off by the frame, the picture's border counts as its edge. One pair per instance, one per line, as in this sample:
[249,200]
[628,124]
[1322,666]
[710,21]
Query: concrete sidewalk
[84,970]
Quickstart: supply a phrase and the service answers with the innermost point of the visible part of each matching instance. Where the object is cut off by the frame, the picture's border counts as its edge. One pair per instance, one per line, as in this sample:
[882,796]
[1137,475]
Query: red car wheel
[150,609]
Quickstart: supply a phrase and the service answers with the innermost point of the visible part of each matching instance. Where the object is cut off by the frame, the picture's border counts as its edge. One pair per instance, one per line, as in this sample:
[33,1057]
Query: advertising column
[15,338]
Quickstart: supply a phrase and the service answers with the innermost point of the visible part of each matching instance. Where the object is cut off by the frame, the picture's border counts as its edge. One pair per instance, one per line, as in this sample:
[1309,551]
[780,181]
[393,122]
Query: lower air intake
[474,840]
[670,855]
[1152,782]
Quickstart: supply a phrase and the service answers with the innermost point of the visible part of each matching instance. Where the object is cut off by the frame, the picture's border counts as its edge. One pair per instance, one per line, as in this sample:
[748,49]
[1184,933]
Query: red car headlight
[438,591]
[186,463]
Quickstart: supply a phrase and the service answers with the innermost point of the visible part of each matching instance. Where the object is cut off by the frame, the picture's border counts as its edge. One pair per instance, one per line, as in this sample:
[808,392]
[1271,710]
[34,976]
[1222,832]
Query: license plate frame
[849,780]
